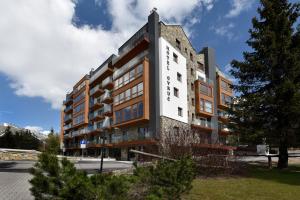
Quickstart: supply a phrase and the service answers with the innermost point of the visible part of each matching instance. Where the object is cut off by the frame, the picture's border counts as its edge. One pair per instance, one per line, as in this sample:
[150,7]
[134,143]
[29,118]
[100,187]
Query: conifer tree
[268,80]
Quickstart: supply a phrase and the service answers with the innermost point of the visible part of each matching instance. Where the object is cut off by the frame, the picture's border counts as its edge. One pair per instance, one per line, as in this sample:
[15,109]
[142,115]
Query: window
[126,78]
[179,111]
[133,91]
[193,116]
[121,97]
[204,89]
[226,99]
[134,111]
[127,115]
[225,85]
[191,57]
[208,106]
[200,66]
[201,104]
[140,88]
[127,95]
[139,70]
[178,44]
[131,75]
[140,109]
[176,92]
[179,77]
[192,71]
[118,117]
[185,50]
[192,86]
[193,102]
[175,58]
[116,99]
[79,108]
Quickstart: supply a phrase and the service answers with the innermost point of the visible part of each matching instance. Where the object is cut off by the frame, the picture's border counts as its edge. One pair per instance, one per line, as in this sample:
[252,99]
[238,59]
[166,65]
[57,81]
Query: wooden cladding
[224,92]
[204,98]
[143,98]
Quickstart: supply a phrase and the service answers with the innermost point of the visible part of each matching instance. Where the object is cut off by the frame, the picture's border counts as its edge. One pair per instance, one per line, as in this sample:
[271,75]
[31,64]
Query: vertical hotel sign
[168,75]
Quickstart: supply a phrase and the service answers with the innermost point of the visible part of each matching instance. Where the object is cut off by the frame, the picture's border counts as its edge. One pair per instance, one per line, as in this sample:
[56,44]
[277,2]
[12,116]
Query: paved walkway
[15,186]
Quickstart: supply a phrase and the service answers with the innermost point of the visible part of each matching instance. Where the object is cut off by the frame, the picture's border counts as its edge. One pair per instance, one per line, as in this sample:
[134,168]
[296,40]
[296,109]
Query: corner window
[175,58]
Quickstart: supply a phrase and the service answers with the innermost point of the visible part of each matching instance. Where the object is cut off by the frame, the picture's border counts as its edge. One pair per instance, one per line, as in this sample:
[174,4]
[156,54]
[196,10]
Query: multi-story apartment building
[156,82]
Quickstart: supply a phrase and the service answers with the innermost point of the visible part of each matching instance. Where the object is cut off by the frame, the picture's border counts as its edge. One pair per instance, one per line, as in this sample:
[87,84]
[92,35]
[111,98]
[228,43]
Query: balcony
[108,83]
[223,115]
[202,124]
[96,91]
[80,132]
[68,109]
[68,118]
[97,115]
[132,138]
[223,129]
[69,99]
[107,98]
[66,127]
[96,104]
[106,122]
[101,72]
[107,110]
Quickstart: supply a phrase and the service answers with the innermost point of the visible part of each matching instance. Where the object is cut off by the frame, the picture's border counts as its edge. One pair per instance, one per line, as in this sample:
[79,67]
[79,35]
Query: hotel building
[156,82]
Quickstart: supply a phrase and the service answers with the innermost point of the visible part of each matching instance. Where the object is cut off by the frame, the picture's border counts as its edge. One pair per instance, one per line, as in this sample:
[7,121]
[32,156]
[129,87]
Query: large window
[204,89]
[129,76]
[79,108]
[79,97]
[175,58]
[131,112]
[131,93]
[206,106]
[225,86]
[79,119]
[226,99]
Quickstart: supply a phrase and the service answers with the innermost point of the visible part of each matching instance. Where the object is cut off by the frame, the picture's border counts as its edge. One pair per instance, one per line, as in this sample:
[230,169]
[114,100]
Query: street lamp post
[102,153]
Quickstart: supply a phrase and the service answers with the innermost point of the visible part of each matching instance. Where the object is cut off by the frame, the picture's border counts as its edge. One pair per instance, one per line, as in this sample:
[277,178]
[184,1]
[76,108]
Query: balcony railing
[67,117]
[106,81]
[106,108]
[80,132]
[223,114]
[67,126]
[203,123]
[107,94]
[95,89]
[107,122]
[224,128]
[99,73]
[117,138]
[68,108]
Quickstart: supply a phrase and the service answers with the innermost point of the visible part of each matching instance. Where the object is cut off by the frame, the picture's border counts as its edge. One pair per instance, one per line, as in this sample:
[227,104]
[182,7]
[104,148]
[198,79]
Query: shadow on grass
[289,176]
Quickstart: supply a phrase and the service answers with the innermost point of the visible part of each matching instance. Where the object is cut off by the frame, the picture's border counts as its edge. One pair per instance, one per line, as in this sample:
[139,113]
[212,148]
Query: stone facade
[18,156]
[171,33]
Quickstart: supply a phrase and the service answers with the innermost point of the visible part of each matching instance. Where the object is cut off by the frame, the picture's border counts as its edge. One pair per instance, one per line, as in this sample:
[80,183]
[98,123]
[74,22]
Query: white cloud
[44,53]
[37,129]
[224,30]
[238,6]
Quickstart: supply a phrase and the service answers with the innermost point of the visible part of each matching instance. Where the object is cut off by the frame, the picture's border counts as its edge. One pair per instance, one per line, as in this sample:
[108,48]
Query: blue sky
[46,46]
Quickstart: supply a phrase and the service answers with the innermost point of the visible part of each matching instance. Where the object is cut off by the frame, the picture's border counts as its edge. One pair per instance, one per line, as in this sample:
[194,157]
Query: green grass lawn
[260,184]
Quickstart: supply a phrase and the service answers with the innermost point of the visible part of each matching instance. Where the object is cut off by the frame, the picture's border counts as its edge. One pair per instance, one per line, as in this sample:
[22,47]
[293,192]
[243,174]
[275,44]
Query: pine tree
[268,79]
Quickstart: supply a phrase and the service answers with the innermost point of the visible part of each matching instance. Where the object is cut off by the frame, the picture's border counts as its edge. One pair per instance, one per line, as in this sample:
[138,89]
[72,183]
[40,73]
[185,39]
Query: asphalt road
[14,176]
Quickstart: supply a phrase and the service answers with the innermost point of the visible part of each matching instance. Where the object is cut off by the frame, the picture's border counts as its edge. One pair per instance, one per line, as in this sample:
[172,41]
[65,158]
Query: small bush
[167,180]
